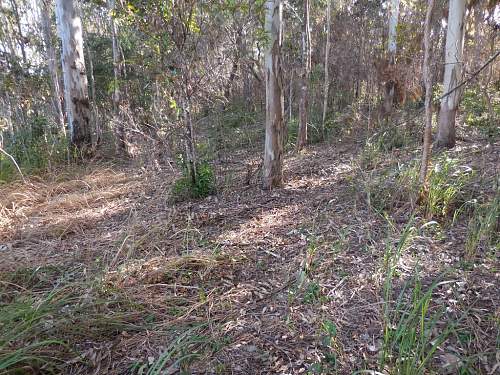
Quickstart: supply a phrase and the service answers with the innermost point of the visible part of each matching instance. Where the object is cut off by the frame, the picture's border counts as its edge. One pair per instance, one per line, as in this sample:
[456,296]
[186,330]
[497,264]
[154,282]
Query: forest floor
[338,271]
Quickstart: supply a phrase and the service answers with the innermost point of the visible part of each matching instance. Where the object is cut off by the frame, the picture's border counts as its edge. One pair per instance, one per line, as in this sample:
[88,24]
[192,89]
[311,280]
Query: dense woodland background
[249,187]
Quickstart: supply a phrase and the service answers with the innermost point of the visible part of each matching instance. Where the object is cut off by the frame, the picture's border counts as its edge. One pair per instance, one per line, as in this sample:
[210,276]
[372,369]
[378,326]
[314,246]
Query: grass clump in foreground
[412,329]
[44,321]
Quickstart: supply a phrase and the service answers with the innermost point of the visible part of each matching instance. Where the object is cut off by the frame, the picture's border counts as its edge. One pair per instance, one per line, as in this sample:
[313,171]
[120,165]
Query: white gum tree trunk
[304,84]
[272,174]
[452,73]
[391,51]
[52,63]
[327,78]
[76,96]
[427,75]
[117,120]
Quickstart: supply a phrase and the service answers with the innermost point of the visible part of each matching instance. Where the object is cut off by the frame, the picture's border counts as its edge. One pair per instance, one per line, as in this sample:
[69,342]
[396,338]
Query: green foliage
[203,185]
[447,183]
[477,114]
[44,312]
[412,330]
[390,188]
[35,149]
[483,227]
[328,336]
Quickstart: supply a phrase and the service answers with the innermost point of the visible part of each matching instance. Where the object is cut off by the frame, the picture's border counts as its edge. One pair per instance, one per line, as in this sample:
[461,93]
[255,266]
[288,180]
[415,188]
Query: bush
[34,148]
[203,186]
[477,115]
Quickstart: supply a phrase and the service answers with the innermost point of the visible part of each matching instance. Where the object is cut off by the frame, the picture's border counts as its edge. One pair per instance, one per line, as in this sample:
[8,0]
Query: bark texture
[306,71]
[74,75]
[272,174]
[52,64]
[427,76]
[117,120]
[452,74]
[327,78]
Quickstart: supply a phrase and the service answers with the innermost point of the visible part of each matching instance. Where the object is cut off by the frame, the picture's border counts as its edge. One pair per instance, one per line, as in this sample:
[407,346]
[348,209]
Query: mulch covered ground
[263,276]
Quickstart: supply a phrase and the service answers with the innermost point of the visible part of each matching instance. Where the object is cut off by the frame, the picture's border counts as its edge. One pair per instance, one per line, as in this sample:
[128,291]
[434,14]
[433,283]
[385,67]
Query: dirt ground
[264,276]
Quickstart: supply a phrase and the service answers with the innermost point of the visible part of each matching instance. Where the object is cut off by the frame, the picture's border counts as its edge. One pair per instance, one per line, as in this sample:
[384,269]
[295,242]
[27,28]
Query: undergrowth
[45,312]
[413,327]
[35,149]
[203,186]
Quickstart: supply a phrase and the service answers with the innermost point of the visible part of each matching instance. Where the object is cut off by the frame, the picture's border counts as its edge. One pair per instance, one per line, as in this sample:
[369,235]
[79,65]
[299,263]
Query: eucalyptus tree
[76,96]
[52,61]
[391,54]
[306,71]
[427,77]
[452,73]
[326,84]
[272,174]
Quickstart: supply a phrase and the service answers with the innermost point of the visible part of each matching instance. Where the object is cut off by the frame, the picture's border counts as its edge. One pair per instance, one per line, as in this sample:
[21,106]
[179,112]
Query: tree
[51,63]
[427,76]
[118,122]
[390,85]
[452,73]
[74,75]
[327,53]
[306,71]
[272,175]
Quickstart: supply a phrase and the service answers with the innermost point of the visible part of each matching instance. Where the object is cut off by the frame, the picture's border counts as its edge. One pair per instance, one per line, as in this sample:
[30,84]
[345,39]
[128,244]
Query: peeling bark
[74,75]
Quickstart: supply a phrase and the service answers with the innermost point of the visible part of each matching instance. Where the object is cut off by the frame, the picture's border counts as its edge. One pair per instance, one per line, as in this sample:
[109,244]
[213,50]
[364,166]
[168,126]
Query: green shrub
[447,183]
[203,186]
[477,114]
[34,148]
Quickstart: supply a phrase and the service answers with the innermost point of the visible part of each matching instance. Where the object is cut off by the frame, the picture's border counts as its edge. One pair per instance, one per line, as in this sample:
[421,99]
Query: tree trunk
[452,73]
[427,75]
[74,75]
[15,13]
[391,50]
[272,174]
[327,54]
[304,88]
[52,65]
[190,140]
[117,120]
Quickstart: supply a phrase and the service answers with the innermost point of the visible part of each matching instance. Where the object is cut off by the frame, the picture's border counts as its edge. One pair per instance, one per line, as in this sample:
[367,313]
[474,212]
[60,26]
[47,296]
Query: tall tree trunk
[117,120]
[327,78]
[304,88]
[391,51]
[17,18]
[74,75]
[52,64]
[452,73]
[427,75]
[272,174]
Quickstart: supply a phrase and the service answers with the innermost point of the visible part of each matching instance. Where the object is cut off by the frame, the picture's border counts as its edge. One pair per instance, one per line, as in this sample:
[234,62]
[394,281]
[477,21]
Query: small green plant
[312,293]
[203,186]
[329,349]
